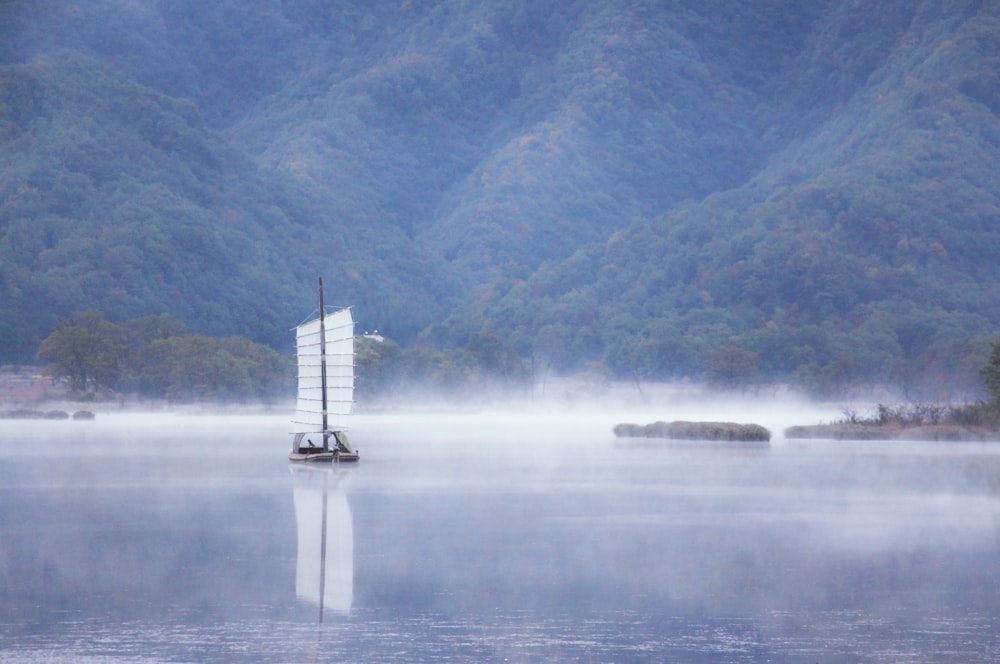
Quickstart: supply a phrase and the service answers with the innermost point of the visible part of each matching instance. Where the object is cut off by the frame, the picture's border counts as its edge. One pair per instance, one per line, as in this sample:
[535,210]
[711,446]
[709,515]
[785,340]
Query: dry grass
[682,430]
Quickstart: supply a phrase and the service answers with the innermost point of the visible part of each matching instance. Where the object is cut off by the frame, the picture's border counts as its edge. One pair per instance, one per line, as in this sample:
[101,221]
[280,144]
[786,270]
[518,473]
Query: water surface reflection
[490,538]
[324,567]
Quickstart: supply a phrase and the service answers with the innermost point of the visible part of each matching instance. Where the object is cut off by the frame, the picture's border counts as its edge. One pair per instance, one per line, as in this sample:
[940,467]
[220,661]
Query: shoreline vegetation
[57,414]
[26,393]
[977,421]
[684,430]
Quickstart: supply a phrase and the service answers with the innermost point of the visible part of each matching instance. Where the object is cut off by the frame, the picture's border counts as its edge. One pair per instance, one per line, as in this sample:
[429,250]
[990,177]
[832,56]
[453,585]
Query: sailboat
[324,567]
[325,352]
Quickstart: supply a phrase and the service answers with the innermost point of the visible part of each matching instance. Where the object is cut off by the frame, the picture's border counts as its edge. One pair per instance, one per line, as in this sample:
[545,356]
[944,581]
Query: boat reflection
[324,570]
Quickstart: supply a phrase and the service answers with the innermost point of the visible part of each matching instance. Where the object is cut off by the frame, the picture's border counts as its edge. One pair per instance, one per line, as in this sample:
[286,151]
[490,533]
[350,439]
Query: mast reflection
[324,570]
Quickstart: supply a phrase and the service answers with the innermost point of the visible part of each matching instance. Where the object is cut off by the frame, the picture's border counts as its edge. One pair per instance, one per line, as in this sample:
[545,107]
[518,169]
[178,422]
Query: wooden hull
[324,457]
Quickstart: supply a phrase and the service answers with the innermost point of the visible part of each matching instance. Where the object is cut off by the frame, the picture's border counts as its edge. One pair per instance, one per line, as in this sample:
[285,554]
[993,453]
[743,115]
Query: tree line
[154,357]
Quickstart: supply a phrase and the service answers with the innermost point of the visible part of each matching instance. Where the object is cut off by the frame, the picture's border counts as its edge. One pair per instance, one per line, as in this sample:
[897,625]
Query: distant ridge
[809,193]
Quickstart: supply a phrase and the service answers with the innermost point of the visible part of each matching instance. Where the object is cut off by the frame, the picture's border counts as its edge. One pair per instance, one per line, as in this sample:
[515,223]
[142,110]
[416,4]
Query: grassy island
[681,430]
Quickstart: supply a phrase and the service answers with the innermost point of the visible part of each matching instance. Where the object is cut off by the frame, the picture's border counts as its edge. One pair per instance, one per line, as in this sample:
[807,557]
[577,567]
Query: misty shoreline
[25,393]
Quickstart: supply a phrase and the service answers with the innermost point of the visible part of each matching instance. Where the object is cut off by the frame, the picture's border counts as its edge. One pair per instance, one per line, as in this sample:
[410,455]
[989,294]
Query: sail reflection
[324,571]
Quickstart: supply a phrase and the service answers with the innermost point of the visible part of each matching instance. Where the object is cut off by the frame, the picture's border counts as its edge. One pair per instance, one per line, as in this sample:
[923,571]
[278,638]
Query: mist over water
[522,534]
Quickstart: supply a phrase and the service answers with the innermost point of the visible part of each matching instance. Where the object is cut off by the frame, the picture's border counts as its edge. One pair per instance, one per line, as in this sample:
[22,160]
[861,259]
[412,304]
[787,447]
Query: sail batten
[339,369]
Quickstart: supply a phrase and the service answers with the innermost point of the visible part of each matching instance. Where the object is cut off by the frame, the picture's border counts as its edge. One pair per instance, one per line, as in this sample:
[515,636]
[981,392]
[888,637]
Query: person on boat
[342,444]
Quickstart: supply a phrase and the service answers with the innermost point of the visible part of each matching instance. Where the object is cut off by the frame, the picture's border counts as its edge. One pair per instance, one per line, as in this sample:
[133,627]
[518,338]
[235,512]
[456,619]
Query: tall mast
[322,363]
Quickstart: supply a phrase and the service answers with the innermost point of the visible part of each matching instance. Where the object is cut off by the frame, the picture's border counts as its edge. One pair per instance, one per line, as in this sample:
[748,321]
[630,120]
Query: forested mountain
[779,190]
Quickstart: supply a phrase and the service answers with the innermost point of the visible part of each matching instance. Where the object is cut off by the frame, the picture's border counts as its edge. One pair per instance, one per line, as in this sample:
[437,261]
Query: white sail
[324,574]
[339,328]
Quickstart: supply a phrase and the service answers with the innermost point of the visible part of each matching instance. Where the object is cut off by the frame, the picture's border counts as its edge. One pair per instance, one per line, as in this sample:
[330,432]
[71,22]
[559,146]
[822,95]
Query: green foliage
[644,186]
[383,370]
[496,357]
[377,363]
[86,350]
[195,368]
[731,367]
[150,357]
[991,372]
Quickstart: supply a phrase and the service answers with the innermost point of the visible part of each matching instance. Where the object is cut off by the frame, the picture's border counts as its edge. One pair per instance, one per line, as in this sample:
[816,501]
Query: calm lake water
[518,537]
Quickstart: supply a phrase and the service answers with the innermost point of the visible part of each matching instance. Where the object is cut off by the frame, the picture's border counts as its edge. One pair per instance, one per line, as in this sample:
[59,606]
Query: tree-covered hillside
[766,190]
[863,252]
[117,198]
